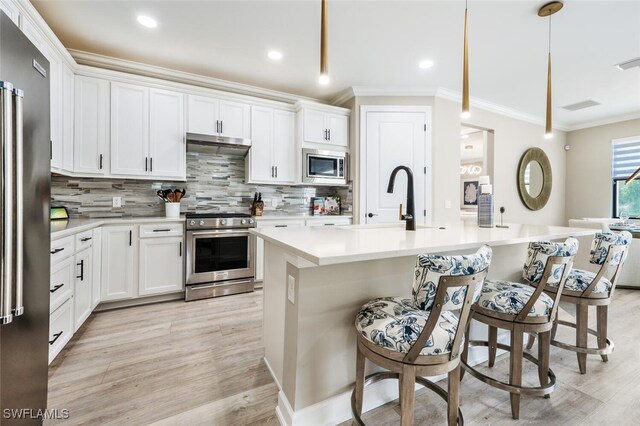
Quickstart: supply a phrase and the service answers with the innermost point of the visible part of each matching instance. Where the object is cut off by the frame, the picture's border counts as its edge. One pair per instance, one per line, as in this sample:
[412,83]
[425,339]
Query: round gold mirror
[534,179]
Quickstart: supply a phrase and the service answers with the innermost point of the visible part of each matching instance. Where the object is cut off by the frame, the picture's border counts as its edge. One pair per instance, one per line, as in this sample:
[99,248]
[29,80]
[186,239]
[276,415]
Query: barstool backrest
[601,244]
[431,267]
[538,255]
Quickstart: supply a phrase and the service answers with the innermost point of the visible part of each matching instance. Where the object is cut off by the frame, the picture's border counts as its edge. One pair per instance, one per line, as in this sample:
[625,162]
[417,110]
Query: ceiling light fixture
[324,69]
[468,147]
[426,64]
[546,11]
[147,21]
[465,136]
[465,70]
[274,55]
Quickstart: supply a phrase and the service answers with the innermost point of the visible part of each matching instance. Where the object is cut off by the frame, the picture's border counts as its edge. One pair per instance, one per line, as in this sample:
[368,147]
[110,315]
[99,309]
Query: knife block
[257,208]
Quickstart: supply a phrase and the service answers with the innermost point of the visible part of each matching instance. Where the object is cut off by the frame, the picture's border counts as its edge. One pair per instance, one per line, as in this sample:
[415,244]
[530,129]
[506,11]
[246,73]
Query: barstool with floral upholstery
[523,308]
[421,336]
[584,288]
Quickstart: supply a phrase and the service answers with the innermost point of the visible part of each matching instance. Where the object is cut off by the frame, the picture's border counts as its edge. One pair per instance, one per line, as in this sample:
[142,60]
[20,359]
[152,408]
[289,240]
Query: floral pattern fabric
[429,269]
[395,323]
[510,298]
[601,243]
[538,254]
[579,280]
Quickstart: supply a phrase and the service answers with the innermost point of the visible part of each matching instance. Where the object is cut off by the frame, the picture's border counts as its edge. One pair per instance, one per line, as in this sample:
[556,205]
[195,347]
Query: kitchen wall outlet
[291,289]
[117,201]
[447,204]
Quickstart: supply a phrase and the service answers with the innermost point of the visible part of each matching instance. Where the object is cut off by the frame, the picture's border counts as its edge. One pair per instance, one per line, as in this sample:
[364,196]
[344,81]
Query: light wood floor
[200,363]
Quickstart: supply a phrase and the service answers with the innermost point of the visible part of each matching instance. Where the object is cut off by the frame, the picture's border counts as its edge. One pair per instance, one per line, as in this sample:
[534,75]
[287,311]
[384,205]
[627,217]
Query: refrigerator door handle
[6,200]
[18,97]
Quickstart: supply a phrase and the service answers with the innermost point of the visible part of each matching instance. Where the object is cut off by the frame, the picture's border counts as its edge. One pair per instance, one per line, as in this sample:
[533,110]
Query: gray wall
[214,183]
[589,185]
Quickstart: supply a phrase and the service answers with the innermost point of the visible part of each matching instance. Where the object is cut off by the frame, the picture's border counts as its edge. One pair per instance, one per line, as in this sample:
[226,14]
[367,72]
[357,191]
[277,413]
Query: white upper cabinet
[272,154]
[167,148]
[129,129]
[67,118]
[91,136]
[8,7]
[218,117]
[328,127]
[55,109]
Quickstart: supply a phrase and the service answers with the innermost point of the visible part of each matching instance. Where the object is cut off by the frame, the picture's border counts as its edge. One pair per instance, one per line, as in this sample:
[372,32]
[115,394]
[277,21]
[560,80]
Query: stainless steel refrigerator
[24,227]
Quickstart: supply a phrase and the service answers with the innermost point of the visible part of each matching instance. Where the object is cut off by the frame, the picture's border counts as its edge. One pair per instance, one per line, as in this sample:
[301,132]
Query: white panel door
[338,126]
[129,129]
[119,262]
[393,139]
[314,123]
[91,125]
[260,164]
[55,110]
[167,147]
[284,151]
[67,118]
[83,287]
[96,270]
[161,269]
[202,114]
[235,119]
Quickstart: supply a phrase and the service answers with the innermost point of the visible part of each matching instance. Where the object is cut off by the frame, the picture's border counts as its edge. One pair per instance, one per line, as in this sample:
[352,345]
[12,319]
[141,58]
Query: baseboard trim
[107,306]
[275,379]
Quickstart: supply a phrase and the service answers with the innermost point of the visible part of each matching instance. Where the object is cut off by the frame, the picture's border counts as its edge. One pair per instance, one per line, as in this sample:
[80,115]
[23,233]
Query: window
[626,160]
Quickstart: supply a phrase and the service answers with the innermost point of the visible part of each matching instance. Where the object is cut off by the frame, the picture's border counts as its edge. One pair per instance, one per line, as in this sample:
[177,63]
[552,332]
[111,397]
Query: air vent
[581,105]
[623,66]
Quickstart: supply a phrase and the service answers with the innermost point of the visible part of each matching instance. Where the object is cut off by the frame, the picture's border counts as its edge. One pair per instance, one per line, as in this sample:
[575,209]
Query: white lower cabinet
[96,267]
[161,269]
[60,328]
[119,262]
[61,284]
[83,287]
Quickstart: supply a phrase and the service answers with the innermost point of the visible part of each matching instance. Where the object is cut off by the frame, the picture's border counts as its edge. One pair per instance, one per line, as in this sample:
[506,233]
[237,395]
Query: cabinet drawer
[60,328]
[286,223]
[162,230]
[61,283]
[61,249]
[84,240]
[335,221]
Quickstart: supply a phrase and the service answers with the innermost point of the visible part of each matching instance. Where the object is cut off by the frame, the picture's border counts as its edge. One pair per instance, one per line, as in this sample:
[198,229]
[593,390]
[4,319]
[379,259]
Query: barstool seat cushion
[509,298]
[579,280]
[395,323]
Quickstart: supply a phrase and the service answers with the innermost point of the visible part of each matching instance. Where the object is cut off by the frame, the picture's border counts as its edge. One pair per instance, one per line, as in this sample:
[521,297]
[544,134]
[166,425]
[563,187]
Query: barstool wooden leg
[493,344]
[407,395]
[454,395]
[360,363]
[602,329]
[582,323]
[532,340]
[400,376]
[515,367]
[544,346]
[554,329]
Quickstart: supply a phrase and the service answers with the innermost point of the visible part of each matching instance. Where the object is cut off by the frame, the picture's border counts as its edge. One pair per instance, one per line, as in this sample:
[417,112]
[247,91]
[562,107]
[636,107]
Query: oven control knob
[201,223]
[250,221]
[243,221]
[192,223]
[223,222]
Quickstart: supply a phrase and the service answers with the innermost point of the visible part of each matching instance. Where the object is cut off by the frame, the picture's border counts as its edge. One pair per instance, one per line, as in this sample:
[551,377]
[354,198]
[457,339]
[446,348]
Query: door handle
[130,237]
[180,250]
[372,215]
[146,164]
[329,133]
[18,97]
[81,265]
[151,164]
[6,201]
[55,337]
[221,124]
[101,158]
[276,171]
[56,288]
[58,250]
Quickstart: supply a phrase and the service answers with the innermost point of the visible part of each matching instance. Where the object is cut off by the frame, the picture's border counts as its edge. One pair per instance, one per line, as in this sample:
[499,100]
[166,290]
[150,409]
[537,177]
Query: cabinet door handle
[276,171]
[221,124]
[281,226]
[329,224]
[81,265]
[180,250]
[151,164]
[271,171]
[161,230]
[217,126]
[85,239]
[58,250]
[50,150]
[55,337]
[101,158]
[130,237]
[146,164]
[329,134]
[56,288]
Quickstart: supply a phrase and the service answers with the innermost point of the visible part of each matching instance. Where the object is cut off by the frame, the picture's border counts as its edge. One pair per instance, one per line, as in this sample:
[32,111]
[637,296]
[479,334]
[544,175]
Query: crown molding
[132,67]
[604,121]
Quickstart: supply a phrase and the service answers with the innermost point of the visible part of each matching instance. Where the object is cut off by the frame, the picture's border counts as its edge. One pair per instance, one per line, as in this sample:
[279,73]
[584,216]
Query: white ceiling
[378,43]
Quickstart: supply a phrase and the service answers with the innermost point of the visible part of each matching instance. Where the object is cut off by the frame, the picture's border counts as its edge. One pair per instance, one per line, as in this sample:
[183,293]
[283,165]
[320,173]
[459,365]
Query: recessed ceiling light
[147,21]
[323,79]
[468,147]
[274,55]
[466,136]
[425,64]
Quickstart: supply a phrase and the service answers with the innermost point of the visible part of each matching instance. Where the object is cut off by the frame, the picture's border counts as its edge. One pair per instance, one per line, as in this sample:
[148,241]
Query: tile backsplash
[214,183]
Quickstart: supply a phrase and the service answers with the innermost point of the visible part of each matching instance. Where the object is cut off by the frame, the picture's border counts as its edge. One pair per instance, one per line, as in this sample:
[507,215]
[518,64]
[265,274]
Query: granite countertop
[63,228]
[354,243]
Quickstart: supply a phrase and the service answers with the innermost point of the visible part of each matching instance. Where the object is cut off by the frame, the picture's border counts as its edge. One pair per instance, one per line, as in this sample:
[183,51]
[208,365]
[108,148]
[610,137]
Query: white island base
[317,279]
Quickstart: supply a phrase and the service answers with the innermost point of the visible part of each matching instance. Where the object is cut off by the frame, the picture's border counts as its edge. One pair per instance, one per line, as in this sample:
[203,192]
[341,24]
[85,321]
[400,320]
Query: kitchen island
[316,279]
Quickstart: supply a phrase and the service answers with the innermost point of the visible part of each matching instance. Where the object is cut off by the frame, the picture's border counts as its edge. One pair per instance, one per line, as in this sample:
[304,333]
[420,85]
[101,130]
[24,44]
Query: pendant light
[324,69]
[545,12]
[465,70]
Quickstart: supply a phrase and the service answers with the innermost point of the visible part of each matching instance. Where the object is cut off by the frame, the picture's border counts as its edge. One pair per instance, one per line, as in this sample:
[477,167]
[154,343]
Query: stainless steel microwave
[324,167]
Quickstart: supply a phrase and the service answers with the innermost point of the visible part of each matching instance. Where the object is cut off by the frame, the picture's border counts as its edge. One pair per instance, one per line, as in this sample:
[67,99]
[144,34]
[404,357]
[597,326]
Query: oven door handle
[219,233]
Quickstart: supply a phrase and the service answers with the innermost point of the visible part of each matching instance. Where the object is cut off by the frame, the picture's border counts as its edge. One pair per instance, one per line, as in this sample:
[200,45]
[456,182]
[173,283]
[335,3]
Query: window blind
[626,158]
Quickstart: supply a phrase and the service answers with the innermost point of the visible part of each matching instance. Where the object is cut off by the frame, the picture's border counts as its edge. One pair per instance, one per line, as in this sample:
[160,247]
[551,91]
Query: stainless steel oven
[324,167]
[220,255]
